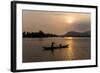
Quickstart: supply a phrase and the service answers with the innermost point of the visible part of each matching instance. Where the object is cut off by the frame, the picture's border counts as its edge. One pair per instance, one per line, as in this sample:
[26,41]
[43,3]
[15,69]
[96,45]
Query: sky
[55,22]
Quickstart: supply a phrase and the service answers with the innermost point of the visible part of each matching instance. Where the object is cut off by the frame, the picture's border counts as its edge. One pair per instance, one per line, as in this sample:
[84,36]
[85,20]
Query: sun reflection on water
[69,38]
[70,49]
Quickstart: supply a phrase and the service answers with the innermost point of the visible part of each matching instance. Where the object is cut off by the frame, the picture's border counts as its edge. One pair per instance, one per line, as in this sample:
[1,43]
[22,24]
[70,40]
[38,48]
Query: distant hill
[78,34]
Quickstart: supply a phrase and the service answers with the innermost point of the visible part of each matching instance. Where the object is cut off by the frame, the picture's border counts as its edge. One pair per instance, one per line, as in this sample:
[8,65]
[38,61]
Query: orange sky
[55,22]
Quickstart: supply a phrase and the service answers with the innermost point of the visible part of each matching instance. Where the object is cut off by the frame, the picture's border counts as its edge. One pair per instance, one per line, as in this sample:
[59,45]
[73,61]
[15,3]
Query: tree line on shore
[41,34]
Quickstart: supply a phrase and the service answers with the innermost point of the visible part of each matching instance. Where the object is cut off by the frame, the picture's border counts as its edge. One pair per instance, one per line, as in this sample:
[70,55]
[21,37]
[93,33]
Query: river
[79,49]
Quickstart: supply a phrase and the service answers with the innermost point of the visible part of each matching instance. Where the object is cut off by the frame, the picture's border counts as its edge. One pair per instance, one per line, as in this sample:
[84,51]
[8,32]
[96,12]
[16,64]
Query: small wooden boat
[56,47]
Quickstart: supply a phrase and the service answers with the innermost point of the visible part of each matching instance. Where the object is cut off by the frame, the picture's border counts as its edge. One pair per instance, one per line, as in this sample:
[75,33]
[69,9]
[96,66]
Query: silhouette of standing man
[52,49]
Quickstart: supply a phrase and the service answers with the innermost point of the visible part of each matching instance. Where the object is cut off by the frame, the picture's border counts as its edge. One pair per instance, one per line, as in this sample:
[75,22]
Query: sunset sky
[55,22]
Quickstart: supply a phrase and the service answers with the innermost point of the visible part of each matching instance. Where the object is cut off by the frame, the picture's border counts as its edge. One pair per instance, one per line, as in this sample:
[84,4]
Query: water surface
[33,51]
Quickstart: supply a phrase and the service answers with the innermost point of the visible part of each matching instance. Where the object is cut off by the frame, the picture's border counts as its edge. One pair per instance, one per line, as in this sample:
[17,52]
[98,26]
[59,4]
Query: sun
[70,20]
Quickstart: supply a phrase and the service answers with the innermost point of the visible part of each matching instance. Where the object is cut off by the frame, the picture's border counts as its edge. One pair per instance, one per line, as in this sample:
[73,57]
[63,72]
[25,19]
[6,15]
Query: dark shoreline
[41,34]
